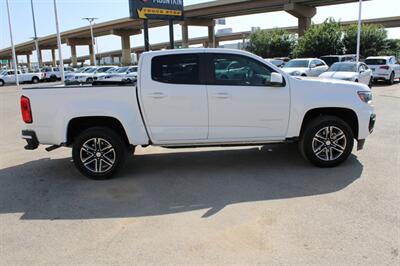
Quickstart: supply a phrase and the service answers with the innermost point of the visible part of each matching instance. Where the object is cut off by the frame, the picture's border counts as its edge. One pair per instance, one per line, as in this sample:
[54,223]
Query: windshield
[297,63]
[103,69]
[122,70]
[112,70]
[91,70]
[375,61]
[343,67]
[81,70]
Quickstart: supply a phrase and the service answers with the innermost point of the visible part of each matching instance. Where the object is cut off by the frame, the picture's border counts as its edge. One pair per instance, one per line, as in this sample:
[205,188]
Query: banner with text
[156,9]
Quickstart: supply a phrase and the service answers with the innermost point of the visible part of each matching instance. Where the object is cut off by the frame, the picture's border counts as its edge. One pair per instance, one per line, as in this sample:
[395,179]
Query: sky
[71,12]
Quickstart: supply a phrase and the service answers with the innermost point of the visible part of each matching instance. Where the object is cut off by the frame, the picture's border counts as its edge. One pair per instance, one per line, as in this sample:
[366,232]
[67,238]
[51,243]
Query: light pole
[359,32]
[90,20]
[61,63]
[14,56]
[39,56]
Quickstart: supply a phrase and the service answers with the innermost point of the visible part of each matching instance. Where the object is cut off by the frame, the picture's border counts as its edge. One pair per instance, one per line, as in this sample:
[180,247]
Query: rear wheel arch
[79,124]
[346,114]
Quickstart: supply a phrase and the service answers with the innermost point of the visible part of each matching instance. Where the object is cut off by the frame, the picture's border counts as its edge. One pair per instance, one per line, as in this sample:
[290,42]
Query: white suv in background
[311,67]
[384,68]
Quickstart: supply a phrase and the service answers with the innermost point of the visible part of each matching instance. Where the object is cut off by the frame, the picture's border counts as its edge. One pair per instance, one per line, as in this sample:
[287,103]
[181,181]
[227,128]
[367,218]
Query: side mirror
[313,65]
[276,79]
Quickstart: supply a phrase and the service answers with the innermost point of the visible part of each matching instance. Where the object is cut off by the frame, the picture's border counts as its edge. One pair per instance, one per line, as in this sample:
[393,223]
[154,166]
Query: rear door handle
[222,95]
[157,95]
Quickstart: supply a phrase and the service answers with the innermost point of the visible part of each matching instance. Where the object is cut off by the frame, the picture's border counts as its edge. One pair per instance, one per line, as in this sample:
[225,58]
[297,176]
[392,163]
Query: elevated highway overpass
[196,15]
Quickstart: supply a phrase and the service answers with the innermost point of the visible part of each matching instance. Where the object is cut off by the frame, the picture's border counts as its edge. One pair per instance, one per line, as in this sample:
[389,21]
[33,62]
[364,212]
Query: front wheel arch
[346,114]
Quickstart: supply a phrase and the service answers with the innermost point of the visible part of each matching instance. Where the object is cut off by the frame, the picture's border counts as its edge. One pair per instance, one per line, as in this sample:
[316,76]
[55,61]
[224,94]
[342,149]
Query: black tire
[356,81]
[107,160]
[303,75]
[391,79]
[2,83]
[370,83]
[89,80]
[310,144]
[53,78]
[35,80]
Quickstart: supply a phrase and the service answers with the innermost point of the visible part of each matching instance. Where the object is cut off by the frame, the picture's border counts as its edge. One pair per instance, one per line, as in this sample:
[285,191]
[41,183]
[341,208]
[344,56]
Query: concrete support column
[91,54]
[185,35]
[74,60]
[53,57]
[211,36]
[303,14]
[303,25]
[126,50]
[40,58]
[28,61]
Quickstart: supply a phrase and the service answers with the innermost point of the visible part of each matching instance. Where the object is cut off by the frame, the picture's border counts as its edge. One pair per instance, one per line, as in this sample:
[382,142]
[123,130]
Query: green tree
[373,39]
[392,48]
[323,39]
[271,43]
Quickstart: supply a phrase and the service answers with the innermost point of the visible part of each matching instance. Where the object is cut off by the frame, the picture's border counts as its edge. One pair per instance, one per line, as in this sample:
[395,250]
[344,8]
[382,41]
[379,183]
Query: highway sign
[156,9]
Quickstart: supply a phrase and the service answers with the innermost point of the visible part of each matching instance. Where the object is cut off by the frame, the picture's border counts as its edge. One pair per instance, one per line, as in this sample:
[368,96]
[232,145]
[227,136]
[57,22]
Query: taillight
[26,110]
[384,67]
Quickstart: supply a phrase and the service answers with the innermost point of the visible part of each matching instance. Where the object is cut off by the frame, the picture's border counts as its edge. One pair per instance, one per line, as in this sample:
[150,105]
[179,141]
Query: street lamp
[90,20]
[39,56]
[359,32]
[61,63]
[14,56]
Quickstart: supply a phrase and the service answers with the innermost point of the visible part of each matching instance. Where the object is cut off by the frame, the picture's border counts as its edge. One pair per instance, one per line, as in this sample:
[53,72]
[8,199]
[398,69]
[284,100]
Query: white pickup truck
[188,98]
[8,77]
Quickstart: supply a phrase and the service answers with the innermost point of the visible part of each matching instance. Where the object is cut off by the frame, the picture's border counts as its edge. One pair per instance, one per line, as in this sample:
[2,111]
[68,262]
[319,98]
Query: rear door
[174,98]
[243,105]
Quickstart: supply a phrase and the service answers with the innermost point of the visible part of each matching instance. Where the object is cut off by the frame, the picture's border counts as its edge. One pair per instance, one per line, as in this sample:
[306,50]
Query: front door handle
[222,95]
[157,95]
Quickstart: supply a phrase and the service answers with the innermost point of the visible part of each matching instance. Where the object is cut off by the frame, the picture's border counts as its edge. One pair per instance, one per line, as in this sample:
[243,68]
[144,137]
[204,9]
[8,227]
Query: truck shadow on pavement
[166,183]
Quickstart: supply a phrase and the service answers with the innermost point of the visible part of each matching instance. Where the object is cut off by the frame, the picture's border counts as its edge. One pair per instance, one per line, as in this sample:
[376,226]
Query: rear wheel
[89,80]
[326,141]
[53,78]
[99,153]
[1,82]
[35,80]
[391,79]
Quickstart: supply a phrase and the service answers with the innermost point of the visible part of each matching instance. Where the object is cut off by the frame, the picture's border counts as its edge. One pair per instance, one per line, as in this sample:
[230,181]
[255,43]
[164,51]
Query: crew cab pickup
[189,98]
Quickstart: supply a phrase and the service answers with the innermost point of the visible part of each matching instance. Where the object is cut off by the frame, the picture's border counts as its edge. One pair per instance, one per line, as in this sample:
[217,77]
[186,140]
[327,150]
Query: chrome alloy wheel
[329,143]
[97,155]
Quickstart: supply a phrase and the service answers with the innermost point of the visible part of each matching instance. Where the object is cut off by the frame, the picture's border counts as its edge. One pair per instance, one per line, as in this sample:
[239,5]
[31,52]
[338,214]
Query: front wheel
[98,153]
[1,83]
[327,141]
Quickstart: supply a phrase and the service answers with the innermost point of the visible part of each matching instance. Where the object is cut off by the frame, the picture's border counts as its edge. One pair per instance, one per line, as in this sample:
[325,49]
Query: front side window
[239,70]
[176,69]
[297,63]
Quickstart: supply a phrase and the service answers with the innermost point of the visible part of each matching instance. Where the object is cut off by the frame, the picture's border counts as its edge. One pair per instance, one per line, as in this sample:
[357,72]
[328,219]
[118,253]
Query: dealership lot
[249,205]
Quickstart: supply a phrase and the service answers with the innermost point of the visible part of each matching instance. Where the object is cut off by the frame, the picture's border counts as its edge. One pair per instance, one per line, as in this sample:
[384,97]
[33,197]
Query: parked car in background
[385,68]
[101,75]
[351,71]
[311,67]
[276,62]
[183,101]
[331,59]
[70,77]
[119,75]
[54,73]
[8,77]
[131,77]
[89,75]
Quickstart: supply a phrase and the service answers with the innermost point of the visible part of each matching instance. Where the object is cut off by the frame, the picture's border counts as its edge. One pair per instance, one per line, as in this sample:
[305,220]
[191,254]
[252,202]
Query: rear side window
[375,61]
[176,69]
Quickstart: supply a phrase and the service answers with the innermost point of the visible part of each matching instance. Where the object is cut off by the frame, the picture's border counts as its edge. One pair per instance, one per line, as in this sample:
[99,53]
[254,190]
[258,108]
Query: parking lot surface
[248,205]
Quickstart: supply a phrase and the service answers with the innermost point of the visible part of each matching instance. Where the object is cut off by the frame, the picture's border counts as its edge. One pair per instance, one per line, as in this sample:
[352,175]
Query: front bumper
[31,139]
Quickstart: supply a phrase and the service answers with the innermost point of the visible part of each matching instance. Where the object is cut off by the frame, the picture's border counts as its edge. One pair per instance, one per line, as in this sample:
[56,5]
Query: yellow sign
[157,11]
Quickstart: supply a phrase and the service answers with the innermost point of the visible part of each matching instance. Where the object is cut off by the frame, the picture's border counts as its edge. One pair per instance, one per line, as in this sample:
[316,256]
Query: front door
[243,105]
[174,99]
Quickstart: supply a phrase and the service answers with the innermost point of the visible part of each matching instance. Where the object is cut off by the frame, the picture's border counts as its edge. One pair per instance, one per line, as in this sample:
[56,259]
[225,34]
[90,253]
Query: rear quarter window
[176,69]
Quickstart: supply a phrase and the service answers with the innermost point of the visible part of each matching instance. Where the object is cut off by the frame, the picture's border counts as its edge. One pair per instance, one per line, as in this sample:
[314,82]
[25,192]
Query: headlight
[365,96]
[295,73]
